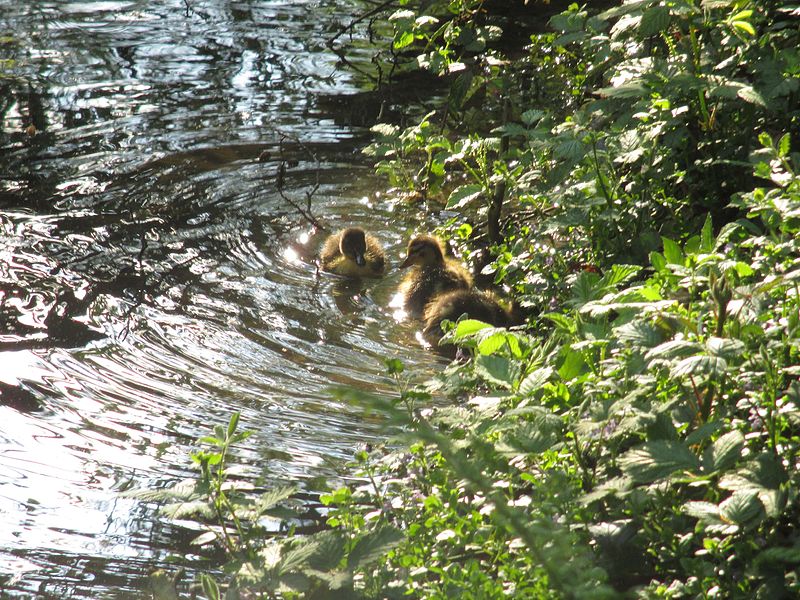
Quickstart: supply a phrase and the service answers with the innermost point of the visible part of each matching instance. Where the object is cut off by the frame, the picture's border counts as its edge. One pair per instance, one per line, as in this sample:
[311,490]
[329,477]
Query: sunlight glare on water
[154,280]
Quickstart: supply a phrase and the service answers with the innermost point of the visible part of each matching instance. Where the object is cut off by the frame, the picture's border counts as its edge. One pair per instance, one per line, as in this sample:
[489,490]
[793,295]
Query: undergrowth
[629,179]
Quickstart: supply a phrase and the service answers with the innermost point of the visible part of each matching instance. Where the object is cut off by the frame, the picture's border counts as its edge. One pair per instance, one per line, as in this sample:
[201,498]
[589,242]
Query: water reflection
[153,279]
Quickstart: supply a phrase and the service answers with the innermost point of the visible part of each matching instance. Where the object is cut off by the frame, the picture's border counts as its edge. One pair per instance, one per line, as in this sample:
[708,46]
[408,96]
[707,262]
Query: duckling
[431,274]
[476,304]
[354,253]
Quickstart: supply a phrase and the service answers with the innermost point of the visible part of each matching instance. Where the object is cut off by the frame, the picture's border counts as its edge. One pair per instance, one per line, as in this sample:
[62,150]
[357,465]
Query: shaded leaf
[373,546]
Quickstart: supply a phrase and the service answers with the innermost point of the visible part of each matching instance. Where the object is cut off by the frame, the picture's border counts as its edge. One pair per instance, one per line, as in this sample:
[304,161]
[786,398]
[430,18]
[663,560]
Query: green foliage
[638,195]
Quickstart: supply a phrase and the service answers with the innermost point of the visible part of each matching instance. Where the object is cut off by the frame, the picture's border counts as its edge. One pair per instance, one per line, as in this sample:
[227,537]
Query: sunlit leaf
[535,380]
[701,364]
[658,459]
[463,195]
[497,370]
[724,452]
[741,507]
[468,328]
[204,539]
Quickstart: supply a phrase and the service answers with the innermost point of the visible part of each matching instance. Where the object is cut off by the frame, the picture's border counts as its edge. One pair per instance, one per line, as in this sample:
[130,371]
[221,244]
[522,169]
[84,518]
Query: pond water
[153,278]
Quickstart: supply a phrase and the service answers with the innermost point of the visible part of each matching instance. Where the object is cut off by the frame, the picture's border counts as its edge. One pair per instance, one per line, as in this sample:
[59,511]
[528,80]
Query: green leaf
[468,328]
[749,94]
[673,349]
[639,333]
[234,421]
[743,506]
[658,261]
[657,460]
[726,348]
[535,380]
[493,342]
[654,20]
[204,539]
[373,546]
[724,452]
[270,498]
[463,195]
[706,512]
[572,365]
[210,587]
[497,370]
[298,556]
[744,26]
[531,116]
[672,252]
[702,364]
[707,236]
[784,145]
[403,39]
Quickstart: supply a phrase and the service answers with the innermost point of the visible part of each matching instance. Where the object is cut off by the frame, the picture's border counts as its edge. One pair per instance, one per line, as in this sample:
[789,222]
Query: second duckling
[353,253]
[431,273]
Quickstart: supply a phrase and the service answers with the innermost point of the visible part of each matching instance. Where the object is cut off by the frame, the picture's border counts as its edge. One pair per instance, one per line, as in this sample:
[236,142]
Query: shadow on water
[153,280]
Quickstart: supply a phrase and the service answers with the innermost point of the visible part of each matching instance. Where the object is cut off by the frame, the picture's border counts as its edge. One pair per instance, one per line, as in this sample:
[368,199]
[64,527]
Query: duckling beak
[406,263]
[360,261]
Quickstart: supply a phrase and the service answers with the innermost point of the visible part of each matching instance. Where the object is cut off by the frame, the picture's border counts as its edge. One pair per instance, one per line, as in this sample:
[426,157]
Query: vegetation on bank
[628,177]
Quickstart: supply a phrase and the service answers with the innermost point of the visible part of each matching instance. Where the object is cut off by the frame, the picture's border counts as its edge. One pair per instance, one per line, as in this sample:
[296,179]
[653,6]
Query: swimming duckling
[431,274]
[354,253]
[476,304]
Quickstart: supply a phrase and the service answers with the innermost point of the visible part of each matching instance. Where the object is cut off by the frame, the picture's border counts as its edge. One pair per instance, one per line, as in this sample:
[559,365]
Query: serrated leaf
[492,343]
[468,328]
[707,236]
[702,364]
[748,94]
[570,149]
[741,507]
[724,452]
[784,145]
[654,20]
[496,370]
[527,438]
[639,333]
[334,580]
[657,460]
[373,546]
[531,116]
[673,349]
[535,380]
[634,89]
[180,510]
[726,348]
[707,512]
[672,252]
[298,556]
[463,195]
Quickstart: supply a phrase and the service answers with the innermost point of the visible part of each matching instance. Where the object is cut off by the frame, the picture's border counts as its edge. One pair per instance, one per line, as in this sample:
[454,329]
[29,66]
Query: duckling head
[353,245]
[423,250]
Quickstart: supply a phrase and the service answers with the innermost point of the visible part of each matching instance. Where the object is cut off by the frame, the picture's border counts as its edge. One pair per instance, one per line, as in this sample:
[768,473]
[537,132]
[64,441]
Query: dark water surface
[153,280]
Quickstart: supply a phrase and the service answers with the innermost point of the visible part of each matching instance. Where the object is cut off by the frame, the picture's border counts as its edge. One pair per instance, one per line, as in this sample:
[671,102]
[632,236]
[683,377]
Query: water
[153,279]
